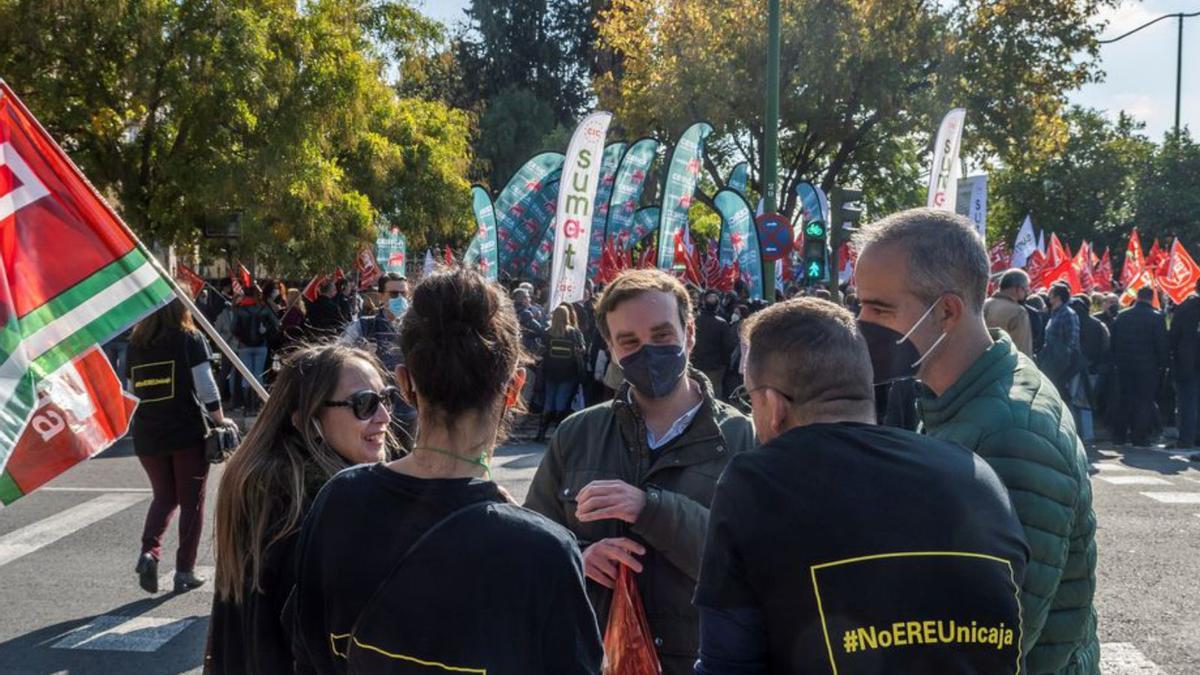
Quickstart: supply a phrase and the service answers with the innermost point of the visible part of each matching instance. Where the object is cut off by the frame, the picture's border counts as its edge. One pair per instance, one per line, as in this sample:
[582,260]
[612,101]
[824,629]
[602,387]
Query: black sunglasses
[741,396]
[364,404]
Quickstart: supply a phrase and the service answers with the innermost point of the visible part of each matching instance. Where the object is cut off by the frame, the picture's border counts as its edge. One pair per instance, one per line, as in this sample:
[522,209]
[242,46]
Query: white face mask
[914,329]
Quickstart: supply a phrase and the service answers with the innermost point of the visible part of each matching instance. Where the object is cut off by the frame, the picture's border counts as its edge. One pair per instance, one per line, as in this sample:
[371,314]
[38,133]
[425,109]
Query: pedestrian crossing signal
[814,258]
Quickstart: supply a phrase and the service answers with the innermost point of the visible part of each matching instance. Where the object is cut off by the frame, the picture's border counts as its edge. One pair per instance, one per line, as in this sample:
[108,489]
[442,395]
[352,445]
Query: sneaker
[186,581]
[147,571]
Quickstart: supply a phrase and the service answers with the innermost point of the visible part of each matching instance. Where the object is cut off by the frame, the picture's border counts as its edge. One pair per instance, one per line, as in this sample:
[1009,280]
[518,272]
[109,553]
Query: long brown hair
[279,467]
[171,319]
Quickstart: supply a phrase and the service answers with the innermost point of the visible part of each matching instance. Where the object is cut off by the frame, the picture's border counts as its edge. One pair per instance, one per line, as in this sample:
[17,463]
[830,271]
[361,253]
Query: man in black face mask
[633,478]
[715,342]
[922,276]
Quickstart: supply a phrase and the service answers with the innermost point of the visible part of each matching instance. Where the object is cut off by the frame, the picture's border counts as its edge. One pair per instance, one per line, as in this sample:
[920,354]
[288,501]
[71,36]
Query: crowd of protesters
[754,472]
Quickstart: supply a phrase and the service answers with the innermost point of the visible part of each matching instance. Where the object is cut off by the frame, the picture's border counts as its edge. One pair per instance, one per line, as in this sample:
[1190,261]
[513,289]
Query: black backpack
[253,328]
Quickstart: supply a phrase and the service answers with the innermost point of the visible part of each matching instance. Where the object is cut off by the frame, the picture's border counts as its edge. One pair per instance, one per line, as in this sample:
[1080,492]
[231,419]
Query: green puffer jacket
[1005,410]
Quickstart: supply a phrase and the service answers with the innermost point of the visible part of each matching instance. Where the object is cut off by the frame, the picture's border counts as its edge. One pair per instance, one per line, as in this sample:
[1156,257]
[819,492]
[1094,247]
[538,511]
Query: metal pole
[832,228]
[1178,75]
[771,141]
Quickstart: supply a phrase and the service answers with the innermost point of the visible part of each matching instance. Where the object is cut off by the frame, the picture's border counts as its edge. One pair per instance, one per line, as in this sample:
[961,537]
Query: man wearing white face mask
[922,277]
[381,333]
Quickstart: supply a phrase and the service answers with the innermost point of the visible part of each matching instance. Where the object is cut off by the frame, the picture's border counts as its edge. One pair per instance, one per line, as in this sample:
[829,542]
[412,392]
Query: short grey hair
[813,349]
[1014,278]
[945,253]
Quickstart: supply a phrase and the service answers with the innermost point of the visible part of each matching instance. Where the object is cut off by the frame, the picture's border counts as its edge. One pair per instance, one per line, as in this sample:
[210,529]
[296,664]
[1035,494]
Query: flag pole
[183,296]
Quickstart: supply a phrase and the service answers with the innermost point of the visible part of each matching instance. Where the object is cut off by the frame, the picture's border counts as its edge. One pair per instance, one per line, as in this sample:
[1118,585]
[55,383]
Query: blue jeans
[255,359]
[558,395]
[1187,402]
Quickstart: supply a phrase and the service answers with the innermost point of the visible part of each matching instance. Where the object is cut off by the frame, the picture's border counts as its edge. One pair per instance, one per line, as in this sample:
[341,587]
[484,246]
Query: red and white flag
[1182,273]
[1134,262]
[367,268]
[52,314]
[188,277]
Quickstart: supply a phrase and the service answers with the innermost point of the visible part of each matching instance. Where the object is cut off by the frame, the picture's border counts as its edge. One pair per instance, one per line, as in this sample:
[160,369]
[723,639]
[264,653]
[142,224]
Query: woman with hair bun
[423,562]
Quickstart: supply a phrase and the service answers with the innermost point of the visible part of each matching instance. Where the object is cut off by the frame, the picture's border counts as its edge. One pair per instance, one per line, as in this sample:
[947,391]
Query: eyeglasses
[364,404]
[741,396]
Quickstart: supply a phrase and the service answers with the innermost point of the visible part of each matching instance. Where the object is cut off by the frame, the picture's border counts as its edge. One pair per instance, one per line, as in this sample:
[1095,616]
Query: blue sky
[1140,70]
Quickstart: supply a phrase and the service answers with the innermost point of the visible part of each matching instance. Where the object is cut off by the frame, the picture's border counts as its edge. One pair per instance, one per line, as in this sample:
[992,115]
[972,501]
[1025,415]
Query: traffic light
[848,212]
[815,251]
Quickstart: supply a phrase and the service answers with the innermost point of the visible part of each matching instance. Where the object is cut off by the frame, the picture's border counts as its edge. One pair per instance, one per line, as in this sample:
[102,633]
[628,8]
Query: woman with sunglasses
[329,410]
[422,562]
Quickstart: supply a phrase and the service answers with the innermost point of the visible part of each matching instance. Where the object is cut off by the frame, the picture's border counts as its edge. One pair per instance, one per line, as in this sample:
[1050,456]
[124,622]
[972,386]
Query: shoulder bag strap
[454,515]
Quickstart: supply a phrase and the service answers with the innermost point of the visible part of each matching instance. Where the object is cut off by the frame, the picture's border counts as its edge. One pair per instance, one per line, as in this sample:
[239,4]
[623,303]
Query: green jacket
[608,442]
[1005,410]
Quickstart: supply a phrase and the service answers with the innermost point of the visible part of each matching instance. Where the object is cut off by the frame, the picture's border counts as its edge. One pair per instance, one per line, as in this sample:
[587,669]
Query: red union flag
[53,313]
[187,275]
[81,411]
[1182,272]
[368,270]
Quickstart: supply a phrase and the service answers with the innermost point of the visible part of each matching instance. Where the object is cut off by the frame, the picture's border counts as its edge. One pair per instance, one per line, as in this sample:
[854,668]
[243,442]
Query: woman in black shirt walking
[169,370]
[422,565]
[328,410]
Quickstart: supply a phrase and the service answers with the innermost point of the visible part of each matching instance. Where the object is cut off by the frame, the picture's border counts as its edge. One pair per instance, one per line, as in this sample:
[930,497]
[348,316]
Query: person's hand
[600,560]
[609,499]
[229,422]
[507,495]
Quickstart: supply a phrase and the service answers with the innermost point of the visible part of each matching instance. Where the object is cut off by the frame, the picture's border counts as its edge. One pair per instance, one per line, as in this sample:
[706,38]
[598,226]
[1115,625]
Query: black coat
[1139,341]
[324,316]
[1037,328]
[1093,336]
[715,340]
[1184,340]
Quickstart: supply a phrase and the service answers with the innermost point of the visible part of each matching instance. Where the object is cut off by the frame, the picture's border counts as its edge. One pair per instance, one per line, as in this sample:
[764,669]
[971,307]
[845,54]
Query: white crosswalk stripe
[32,537]
[124,633]
[1123,658]
[1134,480]
[1174,497]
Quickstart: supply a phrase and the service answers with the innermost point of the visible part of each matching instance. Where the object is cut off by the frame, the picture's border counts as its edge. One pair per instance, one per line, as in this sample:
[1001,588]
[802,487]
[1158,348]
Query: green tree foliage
[186,112]
[1167,200]
[524,68]
[863,82]
[1089,189]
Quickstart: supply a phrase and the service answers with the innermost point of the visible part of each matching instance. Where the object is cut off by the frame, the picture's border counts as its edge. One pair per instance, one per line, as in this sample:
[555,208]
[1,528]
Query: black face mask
[655,370]
[892,357]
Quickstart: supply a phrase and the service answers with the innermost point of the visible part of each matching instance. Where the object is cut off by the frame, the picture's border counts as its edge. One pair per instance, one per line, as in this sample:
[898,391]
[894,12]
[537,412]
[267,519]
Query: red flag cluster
[1171,271]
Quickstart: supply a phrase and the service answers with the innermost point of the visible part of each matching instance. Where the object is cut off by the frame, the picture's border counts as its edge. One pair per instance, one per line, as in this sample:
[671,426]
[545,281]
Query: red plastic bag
[628,647]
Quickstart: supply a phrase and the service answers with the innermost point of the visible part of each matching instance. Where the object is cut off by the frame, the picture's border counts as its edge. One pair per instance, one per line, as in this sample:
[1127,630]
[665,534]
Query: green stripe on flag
[16,410]
[129,311]
[69,299]
[9,492]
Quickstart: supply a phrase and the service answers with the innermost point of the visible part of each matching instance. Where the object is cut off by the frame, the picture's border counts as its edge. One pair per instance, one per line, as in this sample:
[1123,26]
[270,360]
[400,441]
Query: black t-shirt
[499,589]
[168,416]
[868,549]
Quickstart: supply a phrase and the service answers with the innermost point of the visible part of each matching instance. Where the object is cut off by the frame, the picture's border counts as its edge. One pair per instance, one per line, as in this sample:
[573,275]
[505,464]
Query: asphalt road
[71,603]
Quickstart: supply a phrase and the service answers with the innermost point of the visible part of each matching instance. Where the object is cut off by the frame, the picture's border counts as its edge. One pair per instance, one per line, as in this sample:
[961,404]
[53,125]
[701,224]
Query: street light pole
[1178,75]
[770,171]
[1179,16]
